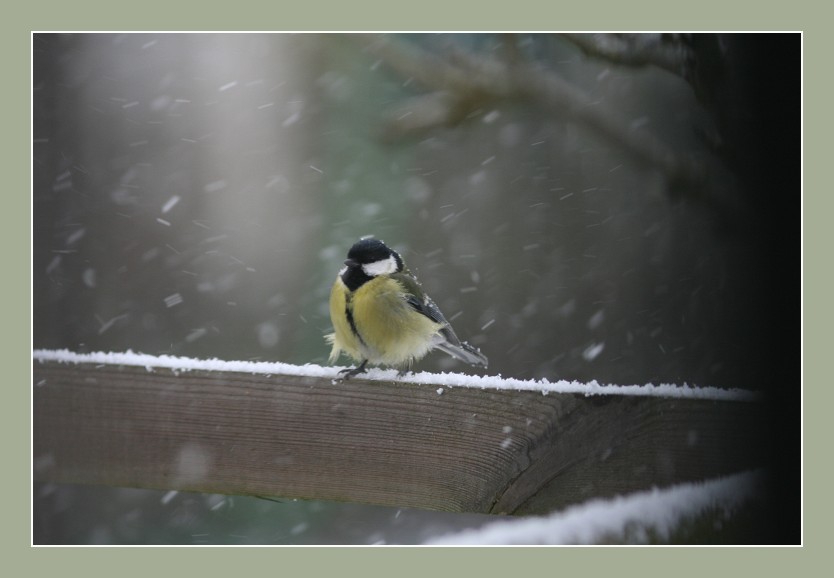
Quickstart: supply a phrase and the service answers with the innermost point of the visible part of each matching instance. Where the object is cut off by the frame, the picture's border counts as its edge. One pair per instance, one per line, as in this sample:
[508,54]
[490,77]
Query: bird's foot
[346,374]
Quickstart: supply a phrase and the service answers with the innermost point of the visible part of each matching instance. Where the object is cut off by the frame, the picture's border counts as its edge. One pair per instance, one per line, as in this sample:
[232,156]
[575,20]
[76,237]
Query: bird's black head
[367,259]
[369,251]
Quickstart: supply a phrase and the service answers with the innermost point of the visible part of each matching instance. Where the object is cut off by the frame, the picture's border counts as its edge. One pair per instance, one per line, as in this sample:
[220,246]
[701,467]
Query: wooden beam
[397,443]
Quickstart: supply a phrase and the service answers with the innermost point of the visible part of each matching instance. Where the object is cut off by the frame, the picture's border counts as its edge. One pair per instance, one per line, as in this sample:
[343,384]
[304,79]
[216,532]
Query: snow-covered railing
[439,441]
[634,518]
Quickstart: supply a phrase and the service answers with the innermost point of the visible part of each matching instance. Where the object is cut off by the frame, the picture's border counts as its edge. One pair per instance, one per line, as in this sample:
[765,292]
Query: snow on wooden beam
[438,441]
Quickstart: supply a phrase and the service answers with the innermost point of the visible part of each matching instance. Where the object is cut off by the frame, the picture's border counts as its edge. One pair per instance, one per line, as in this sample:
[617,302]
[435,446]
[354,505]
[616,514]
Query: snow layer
[622,519]
[446,380]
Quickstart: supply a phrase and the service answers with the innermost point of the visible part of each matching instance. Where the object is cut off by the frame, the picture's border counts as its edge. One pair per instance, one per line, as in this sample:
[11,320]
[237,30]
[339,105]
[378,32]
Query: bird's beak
[351,263]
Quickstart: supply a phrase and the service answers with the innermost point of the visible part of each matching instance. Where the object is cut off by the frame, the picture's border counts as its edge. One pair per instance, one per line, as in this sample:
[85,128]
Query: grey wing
[447,341]
[430,309]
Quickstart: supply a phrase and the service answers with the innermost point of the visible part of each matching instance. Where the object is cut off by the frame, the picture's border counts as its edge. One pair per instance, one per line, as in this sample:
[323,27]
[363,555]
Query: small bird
[381,315]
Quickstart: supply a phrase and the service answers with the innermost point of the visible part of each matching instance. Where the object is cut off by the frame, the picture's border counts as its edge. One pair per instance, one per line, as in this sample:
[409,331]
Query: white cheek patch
[382,267]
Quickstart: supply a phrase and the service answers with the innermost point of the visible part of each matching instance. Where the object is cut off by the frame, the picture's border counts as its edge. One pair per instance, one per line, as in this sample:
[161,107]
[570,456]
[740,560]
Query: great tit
[381,315]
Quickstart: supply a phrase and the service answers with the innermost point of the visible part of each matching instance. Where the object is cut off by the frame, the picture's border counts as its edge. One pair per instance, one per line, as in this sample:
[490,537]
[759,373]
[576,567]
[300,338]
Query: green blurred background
[195,194]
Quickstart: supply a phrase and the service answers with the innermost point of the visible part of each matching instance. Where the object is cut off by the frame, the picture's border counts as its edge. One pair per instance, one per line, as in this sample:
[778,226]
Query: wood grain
[613,443]
[397,444]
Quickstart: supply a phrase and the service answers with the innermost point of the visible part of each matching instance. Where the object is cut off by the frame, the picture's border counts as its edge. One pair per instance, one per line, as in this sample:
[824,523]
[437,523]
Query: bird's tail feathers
[464,352]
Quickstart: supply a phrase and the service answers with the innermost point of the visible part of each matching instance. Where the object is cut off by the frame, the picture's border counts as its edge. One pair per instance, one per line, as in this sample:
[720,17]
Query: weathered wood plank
[611,443]
[396,443]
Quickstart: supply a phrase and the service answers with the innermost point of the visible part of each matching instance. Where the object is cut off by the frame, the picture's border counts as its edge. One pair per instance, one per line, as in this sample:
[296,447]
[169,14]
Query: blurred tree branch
[464,82]
[670,52]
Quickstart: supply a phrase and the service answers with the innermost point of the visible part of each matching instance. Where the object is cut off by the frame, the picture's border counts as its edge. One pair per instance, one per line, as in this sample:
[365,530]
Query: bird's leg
[405,370]
[348,373]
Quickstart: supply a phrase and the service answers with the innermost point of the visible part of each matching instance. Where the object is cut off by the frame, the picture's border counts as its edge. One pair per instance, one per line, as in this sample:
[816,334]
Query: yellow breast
[386,329]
